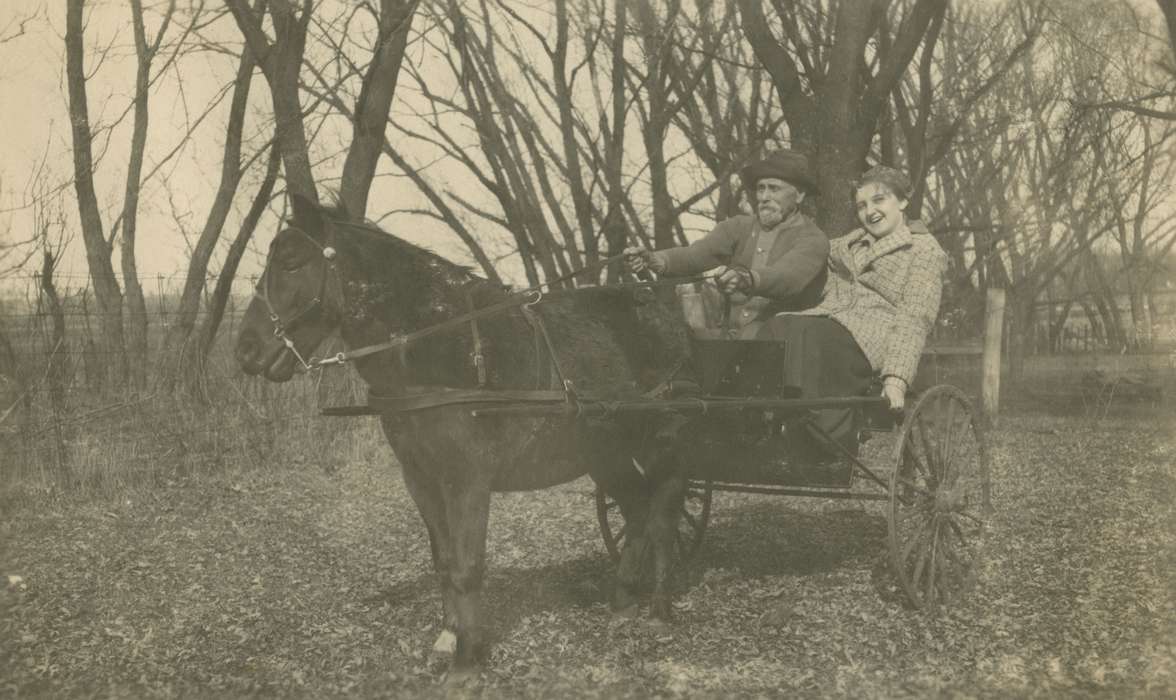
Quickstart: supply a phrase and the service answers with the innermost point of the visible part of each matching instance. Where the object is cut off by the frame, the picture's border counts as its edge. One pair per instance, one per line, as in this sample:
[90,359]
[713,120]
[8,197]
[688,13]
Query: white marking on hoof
[446,643]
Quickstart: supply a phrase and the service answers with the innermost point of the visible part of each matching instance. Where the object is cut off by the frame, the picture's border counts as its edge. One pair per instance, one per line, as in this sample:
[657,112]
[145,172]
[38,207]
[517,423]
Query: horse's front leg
[620,477]
[467,510]
[634,504]
[668,484]
[664,509]
[426,493]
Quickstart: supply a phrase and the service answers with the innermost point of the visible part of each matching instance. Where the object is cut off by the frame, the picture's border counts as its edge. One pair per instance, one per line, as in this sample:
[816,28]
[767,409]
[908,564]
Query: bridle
[282,328]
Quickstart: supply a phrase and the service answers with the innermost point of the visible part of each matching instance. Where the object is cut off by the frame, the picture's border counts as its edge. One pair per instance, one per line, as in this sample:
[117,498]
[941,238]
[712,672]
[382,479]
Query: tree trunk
[177,346]
[107,295]
[616,233]
[281,62]
[136,304]
[375,99]
[55,375]
[224,282]
[838,122]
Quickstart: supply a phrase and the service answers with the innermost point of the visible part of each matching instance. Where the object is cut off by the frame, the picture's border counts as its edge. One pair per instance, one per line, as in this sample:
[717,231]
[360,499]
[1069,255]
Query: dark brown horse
[325,273]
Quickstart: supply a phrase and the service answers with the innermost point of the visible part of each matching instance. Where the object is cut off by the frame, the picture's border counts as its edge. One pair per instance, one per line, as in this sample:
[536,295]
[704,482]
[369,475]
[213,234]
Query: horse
[327,273]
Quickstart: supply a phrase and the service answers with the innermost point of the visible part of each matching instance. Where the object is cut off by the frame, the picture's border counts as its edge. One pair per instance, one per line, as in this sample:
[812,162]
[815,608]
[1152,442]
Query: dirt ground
[315,583]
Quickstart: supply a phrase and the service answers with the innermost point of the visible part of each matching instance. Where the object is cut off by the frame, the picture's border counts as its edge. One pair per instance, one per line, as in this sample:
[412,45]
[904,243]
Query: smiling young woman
[880,209]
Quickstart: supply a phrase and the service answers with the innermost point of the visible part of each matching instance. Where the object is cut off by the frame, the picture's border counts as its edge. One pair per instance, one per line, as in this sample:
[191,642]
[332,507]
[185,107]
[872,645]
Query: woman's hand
[640,259]
[894,389]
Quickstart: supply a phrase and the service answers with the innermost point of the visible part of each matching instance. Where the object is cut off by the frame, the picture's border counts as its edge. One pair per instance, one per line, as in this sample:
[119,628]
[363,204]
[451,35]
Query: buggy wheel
[939,498]
[692,521]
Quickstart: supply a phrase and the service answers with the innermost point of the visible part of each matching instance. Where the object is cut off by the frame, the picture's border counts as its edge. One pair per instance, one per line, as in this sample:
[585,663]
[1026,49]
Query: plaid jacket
[886,293]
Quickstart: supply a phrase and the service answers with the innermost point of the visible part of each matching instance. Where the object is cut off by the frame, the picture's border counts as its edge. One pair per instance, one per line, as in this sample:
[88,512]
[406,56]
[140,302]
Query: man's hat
[790,166]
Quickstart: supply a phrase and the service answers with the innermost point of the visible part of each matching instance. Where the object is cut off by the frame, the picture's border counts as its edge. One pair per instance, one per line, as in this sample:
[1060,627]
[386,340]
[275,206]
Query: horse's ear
[306,213]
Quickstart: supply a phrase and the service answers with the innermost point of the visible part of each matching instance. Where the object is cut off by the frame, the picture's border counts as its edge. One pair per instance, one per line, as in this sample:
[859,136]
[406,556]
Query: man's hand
[639,259]
[894,389]
[735,280]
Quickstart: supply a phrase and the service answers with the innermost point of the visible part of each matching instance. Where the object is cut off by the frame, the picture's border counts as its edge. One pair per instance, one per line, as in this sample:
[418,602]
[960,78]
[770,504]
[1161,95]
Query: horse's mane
[338,214]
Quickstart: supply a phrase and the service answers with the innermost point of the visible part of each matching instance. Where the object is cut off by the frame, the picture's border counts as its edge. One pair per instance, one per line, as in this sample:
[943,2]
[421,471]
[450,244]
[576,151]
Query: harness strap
[402,340]
[478,358]
[537,322]
[526,297]
[419,398]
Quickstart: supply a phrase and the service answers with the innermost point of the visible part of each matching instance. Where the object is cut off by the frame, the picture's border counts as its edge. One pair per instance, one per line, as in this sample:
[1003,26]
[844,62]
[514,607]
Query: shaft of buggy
[596,409]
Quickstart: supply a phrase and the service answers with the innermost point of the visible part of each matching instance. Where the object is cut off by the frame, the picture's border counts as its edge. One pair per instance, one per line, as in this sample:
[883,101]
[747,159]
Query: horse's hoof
[446,644]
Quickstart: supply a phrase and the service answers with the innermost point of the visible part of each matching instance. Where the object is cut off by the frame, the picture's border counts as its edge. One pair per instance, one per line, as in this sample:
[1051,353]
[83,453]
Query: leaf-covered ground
[313,583]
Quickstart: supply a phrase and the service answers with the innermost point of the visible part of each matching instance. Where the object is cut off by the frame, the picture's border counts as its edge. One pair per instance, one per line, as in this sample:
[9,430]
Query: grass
[312,579]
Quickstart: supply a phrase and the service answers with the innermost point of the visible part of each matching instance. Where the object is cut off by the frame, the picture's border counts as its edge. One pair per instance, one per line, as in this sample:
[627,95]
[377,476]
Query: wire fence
[66,426]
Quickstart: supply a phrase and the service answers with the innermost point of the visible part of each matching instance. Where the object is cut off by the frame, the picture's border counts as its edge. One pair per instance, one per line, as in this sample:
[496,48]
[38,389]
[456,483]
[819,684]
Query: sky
[35,138]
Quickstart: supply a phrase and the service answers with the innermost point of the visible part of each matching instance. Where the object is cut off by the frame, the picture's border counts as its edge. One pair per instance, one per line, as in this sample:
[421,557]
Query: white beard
[769,218]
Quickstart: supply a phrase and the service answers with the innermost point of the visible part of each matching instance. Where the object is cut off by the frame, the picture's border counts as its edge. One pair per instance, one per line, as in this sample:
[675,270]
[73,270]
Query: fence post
[994,304]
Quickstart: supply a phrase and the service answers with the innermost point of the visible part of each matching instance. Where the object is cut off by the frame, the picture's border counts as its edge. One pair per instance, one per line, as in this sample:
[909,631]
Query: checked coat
[886,293]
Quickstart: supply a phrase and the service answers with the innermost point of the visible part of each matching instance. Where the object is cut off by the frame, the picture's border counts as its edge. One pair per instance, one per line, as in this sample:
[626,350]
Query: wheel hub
[949,500]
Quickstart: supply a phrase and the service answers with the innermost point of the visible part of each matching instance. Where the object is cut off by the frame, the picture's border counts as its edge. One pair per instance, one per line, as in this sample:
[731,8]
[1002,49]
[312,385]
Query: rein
[525,299]
[402,340]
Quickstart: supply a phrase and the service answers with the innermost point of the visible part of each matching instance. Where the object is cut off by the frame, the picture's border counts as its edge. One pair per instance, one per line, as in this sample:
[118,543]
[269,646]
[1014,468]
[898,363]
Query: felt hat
[790,166]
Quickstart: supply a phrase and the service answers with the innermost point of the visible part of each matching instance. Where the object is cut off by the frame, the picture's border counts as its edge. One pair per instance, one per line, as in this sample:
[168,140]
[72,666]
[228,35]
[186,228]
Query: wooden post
[993,330]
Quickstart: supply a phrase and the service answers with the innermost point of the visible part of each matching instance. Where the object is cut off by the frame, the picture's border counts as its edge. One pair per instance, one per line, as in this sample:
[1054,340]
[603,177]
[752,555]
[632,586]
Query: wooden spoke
[959,533]
[917,513]
[914,542]
[920,562]
[945,445]
[930,595]
[928,447]
[920,463]
[914,487]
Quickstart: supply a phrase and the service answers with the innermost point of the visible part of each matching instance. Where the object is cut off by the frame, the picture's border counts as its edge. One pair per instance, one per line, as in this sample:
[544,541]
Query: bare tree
[280,60]
[217,303]
[550,99]
[370,115]
[176,345]
[107,294]
[145,53]
[834,69]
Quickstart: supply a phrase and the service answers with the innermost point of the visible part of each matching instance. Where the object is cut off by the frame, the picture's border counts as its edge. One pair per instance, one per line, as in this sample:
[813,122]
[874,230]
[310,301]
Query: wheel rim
[693,519]
[939,498]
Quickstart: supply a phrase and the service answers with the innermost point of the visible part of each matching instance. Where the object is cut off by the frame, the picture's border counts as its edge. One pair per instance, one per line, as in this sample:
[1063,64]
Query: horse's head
[297,301]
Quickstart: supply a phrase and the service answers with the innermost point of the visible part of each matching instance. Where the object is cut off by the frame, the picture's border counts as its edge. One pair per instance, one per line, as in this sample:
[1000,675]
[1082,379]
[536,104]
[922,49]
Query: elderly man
[774,261]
